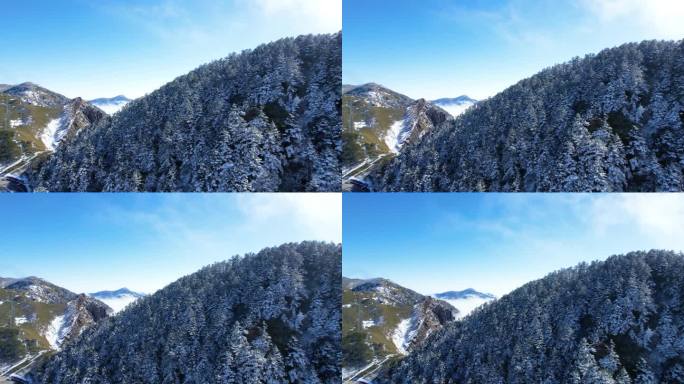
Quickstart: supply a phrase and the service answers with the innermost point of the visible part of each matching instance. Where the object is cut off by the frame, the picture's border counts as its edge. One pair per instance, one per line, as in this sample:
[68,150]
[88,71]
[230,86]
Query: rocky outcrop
[81,313]
[430,316]
[80,114]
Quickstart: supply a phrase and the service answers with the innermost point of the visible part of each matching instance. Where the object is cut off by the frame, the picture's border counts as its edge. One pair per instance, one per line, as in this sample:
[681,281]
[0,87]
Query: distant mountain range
[455,106]
[465,294]
[119,299]
[111,105]
[466,301]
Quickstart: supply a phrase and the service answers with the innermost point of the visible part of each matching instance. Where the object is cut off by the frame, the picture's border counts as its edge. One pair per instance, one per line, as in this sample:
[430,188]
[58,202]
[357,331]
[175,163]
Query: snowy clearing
[53,333]
[393,136]
[49,137]
[20,320]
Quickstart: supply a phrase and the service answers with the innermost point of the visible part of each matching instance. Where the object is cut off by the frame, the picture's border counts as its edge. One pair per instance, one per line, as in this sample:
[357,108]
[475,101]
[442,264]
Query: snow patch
[51,134]
[20,320]
[393,137]
[359,124]
[401,336]
[55,332]
[16,123]
[344,306]
[397,134]
[368,323]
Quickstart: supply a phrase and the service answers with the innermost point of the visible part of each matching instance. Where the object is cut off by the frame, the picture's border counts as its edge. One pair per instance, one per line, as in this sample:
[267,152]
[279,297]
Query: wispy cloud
[511,22]
[658,18]
[317,214]
[655,217]
[237,24]
[218,223]
[555,231]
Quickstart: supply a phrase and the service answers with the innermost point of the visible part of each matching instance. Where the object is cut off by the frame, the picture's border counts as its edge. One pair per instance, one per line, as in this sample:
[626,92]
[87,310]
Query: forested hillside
[607,122]
[268,119]
[270,317]
[616,321]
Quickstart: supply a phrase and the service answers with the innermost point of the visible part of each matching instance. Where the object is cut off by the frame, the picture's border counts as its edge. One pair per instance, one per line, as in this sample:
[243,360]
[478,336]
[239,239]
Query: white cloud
[238,24]
[657,18]
[323,14]
[658,217]
[213,223]
[317,214]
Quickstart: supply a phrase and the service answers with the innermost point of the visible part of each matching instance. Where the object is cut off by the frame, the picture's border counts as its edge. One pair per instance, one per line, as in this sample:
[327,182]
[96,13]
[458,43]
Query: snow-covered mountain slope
[608,122]
[267,317]
[76,115]
[36,95]
[383,320]
[79,314]
[33,121]
[612,321]
[378,122]
[119,299]
[41,316]
[111,105]
[267,119]
[465,301]
[41,291]
[455,106]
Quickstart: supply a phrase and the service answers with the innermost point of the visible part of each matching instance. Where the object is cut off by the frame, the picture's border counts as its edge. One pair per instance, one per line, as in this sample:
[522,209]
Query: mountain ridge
[271,316]
[610,122]
[611,321]
[266,119]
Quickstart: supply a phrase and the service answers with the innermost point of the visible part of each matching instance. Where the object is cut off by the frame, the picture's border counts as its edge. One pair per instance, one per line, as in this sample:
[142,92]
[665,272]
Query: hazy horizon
[102,49]
[495,243]
[94,242]
[437,49]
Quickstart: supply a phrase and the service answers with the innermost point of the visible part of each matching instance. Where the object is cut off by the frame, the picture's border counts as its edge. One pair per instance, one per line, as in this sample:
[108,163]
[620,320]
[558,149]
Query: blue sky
[496,242]
[108,47]
[445,48]
[92,242]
